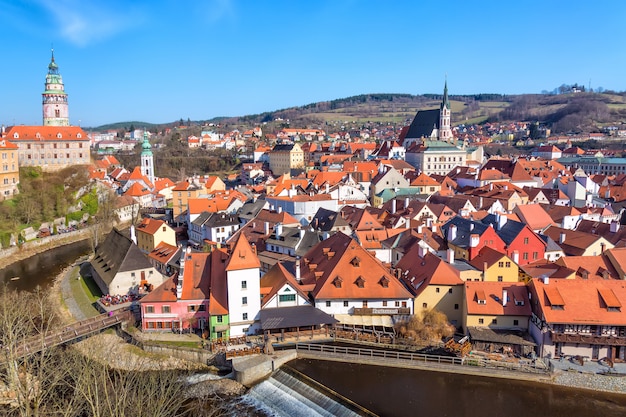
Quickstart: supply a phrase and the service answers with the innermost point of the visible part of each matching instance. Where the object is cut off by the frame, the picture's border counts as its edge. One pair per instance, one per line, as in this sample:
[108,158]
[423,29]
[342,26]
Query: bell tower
[55,108]
[445,130]
[147,160]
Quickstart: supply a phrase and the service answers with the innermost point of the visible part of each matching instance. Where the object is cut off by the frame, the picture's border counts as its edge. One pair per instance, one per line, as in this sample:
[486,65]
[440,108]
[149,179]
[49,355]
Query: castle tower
[445,130]
[55,108]
[147,160]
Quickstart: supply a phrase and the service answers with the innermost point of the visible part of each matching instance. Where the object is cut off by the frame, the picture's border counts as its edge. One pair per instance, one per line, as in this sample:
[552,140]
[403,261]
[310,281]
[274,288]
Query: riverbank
[14,254]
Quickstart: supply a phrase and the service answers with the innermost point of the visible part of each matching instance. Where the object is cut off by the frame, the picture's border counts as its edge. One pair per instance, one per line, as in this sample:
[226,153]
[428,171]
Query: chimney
[501,220]
[133,236]
[267,228]
[406,202]
[302,232]
[419,228]
[433,227]
[279,209]
[516,257]
[450,256]
[480,202]
[452,232]
[279,230]
[505,295]
[298,277]
[602,247]
[562,237]
[325,235]
[546,279]
[421,251]
[490,186]
[614,227]
[393,206]
[253,247]
[474,240]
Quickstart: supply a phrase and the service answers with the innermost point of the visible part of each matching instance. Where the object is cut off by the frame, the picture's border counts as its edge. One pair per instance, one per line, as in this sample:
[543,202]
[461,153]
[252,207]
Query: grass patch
[82,293]
[91,289]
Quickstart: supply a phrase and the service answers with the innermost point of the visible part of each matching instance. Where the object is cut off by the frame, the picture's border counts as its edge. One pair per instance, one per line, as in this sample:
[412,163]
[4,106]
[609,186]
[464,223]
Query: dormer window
[16,135]
[384,282]
[355,261]
[481,298]
[360,282]
[79,136]
[337,281]
[59,135]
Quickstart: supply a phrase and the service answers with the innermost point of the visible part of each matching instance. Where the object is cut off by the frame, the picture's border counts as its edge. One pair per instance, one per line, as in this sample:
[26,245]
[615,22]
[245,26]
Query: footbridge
[71,332]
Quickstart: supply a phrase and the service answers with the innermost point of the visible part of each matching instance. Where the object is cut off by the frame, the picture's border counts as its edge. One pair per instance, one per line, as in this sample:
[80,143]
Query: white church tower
[445,130]
[147,160]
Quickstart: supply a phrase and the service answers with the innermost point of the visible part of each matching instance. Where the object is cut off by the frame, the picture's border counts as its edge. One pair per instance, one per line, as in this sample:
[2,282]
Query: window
[501,264]
[244,301]
[424,305]
[397,303]
[286,298]
[456,306]
[494,321]
[244,285]
[327,303]
[384,303]
[508,264]
[165,309]
[535,255]
[202,307]
[149,309]
[449,290]
[245,316]
[525,256]
[219,319]
[364,303]
[345,303]
[404,304]
[515,322]
[500,278]
[437,290]
[191,308]
[481,321]
[525,241]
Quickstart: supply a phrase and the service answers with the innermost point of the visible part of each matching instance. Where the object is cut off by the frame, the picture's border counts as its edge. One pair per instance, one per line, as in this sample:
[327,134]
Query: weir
[283,394]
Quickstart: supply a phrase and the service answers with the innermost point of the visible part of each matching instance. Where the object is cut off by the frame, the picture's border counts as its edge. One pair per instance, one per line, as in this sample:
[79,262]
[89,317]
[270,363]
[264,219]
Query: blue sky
[161,60]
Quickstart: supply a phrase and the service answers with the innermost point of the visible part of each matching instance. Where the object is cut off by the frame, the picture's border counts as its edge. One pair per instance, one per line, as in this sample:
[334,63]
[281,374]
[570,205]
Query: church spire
[445,102]
[147,160]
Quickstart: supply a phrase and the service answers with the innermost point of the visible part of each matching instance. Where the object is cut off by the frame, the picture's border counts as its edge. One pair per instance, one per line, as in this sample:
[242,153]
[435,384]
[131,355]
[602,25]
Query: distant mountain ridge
[563,113]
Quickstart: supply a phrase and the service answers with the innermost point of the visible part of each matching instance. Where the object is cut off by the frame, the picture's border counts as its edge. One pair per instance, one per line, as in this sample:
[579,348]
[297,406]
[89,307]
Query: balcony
[380,311]
[588,339]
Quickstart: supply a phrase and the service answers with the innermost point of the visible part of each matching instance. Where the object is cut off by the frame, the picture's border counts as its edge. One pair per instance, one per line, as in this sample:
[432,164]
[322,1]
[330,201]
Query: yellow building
[285,157]
[150,233]
[496,305]
[495,266]
[9,169]
[434,283]
[181,194]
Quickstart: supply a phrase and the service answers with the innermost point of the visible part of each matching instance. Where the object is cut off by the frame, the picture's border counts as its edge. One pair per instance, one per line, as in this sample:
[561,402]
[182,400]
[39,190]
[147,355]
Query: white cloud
[84,22]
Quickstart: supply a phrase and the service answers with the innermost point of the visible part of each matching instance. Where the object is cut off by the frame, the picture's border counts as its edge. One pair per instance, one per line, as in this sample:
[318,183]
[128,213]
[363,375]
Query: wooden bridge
[78,330]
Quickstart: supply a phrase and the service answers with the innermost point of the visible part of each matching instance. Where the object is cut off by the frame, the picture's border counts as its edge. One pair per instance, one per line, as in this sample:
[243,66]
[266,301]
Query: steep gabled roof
[242,256]
[417,271]
[339,268]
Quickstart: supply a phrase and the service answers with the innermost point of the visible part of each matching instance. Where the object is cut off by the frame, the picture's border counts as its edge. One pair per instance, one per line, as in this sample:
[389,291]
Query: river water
[408,392]
[384,391]
[41,269]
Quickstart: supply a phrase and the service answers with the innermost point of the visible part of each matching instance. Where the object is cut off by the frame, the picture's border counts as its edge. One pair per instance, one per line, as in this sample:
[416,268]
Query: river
[41,269]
